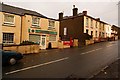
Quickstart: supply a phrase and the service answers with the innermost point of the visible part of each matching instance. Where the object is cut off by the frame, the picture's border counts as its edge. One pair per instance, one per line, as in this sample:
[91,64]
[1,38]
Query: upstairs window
[87,22]
[91,23]
[35,21]
[51,24]
[103,26]
[96,24]
[8,19]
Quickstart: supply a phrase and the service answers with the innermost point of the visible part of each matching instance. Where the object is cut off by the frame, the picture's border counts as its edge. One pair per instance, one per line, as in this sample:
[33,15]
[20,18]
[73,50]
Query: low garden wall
[88,42]
[24,49]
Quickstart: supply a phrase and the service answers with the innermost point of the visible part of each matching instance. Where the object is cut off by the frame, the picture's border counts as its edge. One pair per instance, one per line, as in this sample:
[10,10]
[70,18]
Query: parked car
[10,57]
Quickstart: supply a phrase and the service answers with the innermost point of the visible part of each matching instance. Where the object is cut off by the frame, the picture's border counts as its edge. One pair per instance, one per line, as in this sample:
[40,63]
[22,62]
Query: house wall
[90,28]
[43,25]
[74,29]
[108,30]
[16,29]
[0,28]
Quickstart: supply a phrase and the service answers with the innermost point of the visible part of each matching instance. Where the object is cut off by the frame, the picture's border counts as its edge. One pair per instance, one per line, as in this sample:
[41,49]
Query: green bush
[27,43]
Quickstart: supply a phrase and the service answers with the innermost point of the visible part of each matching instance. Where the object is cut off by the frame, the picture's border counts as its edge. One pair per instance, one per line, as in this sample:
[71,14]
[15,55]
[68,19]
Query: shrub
[27,43]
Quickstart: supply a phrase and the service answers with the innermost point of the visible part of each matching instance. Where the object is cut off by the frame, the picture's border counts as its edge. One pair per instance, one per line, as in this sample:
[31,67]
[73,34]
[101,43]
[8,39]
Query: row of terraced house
[18,25]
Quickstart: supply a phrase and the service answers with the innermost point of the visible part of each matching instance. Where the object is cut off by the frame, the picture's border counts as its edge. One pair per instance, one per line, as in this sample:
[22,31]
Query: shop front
[42,37]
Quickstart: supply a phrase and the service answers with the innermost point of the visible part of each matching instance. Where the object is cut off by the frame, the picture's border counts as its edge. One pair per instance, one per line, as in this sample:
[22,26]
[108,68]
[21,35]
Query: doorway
[43,42]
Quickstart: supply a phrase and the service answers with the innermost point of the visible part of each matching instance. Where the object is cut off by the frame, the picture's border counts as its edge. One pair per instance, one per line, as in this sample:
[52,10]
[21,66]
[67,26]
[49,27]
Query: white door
[43,42]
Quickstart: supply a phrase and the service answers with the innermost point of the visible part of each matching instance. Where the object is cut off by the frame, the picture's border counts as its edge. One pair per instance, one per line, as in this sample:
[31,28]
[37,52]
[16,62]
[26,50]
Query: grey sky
[107,11]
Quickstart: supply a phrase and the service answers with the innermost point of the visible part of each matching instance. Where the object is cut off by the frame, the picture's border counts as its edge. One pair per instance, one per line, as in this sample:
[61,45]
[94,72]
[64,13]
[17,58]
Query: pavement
[109,72]
[88,62]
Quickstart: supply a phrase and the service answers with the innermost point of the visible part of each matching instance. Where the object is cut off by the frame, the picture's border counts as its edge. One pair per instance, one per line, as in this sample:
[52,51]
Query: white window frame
[53,40]
[91,23]
[9,23]
[87,20]
[37,24]
[8,41]
[53,26]
[96,24]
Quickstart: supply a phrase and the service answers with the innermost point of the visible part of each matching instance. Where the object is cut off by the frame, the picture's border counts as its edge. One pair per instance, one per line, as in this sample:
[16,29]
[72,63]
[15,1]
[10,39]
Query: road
[63,63]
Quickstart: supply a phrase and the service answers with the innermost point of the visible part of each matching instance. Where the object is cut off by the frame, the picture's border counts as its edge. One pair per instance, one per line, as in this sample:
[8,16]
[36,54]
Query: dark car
[10,57]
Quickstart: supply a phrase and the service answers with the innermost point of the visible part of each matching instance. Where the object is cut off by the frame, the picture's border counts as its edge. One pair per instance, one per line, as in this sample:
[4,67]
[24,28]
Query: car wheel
[12,61]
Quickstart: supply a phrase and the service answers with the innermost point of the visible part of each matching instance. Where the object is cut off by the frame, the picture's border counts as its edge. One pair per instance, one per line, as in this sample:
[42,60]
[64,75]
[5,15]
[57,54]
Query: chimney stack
[60,15]
[85,12]
[98,19]
[75,11]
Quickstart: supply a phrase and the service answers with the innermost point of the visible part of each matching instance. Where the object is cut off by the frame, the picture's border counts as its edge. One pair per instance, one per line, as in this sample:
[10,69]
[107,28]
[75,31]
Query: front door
[43,42]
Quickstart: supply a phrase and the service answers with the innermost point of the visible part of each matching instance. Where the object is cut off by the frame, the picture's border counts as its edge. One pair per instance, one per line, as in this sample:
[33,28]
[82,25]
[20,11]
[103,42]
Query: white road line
[90,51]
[109,46]
[47,63]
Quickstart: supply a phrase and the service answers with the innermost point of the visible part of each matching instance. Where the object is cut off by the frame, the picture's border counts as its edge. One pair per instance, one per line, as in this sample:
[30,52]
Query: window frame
[38,23]
[91,23]
[7,40]
[87,21]
[8,23]
[51,27]
[53,40]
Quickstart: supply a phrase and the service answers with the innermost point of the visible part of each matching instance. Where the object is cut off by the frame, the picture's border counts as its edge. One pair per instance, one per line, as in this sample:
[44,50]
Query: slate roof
[18,11]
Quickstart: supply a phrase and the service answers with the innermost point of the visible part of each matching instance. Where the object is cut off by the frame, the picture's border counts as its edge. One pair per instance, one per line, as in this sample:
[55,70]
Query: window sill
[38,27]
[8,24]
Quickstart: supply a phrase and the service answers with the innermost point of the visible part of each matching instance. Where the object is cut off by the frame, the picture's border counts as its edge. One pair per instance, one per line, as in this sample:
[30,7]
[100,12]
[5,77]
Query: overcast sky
[105,10]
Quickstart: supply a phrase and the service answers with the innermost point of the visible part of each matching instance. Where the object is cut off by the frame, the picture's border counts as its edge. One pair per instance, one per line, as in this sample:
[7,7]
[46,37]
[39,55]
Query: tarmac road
[65,63]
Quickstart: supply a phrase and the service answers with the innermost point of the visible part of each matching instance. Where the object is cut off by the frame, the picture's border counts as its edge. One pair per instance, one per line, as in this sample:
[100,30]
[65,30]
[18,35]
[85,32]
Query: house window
[103,26]
[96,24]
[52,38]
[100,26]
[51,24]
[102,34]
[8,19]
[87,22]
[8,37]
[87,31]
[96,34]
[35,21]
[91,23]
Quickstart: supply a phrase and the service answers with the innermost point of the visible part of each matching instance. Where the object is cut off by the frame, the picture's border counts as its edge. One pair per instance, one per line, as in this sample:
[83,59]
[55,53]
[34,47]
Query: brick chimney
[85,12]
[75,11]
[60,15]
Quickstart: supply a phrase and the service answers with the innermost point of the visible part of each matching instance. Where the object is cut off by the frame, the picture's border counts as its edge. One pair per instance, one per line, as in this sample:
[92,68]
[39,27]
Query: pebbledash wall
[20,25]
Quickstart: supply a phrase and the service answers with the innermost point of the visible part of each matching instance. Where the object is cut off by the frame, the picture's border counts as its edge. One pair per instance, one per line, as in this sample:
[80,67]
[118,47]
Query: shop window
[52,38]
[8,37]
[51,25]
[35,21]
[8,19]
[34,38]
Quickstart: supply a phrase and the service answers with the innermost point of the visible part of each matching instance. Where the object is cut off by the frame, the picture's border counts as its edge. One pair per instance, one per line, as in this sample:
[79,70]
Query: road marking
[47,63]
[90,51]
[109,45]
